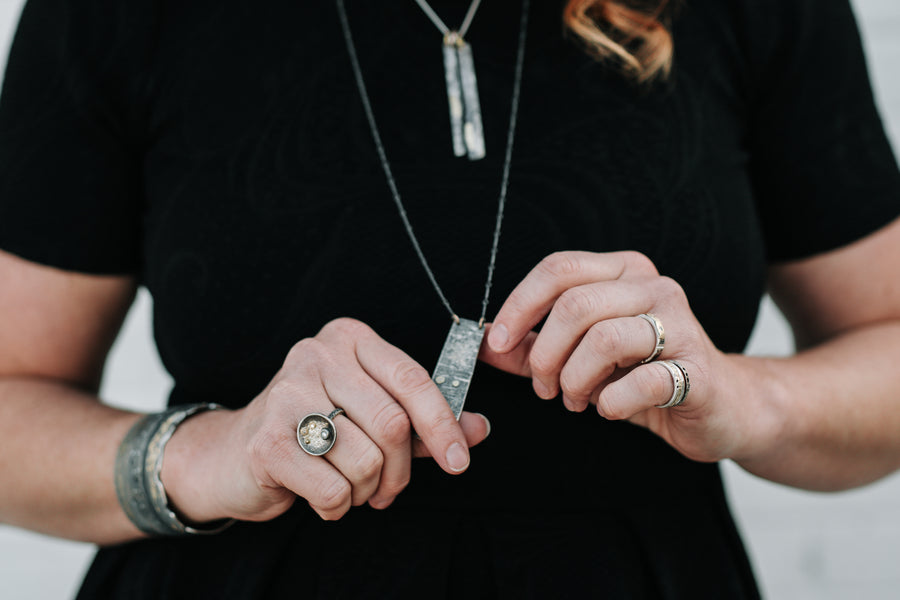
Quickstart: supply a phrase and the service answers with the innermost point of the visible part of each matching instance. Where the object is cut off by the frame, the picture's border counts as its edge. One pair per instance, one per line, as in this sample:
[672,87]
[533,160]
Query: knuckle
[397,485]
[441,421]
[345,326]
[574,304]
[540,363]
[561,263]
[393,424]
[305,351]
[369,463]
[671,288]
[606,339]
[573,386]
[607,407]
[411,378]
[333,494]
[639,262]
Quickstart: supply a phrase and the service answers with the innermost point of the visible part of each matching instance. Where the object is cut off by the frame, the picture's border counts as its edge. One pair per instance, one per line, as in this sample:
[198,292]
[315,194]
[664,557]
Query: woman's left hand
[592,344]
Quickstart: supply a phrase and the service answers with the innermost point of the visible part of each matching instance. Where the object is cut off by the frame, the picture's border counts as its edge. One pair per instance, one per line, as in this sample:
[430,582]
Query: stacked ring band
[680,381]
[316,432]
[660,332]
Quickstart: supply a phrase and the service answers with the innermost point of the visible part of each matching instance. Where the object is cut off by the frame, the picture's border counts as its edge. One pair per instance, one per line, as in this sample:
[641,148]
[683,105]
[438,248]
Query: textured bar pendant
[473,131]
[454,93]
[455,367]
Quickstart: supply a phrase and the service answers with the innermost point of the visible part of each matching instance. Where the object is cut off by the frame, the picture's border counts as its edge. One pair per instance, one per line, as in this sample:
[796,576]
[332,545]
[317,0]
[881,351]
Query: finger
[515,361]
[411,385]
[645,387]
[607,346]
[287,466]
[475,426]
[382,419]
[535,295]
[574,313]
[357,458]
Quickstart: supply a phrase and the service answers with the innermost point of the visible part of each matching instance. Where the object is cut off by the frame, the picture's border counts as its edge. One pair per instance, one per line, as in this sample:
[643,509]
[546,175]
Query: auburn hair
[634,35]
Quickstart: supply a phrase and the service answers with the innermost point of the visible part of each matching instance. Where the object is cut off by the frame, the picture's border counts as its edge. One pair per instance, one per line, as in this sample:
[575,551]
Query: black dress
[218,151]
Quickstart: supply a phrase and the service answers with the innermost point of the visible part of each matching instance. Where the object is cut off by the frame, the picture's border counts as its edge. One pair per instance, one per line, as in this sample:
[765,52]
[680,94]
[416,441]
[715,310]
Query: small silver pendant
[454,97]
[455,366]
[466,127]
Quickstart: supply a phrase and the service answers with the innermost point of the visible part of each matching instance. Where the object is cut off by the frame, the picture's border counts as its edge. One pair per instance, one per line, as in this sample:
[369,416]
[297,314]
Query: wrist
[765,403]
[190,466]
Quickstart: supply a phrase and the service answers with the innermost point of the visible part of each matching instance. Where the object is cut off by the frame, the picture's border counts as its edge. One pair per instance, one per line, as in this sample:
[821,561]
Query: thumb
[515,360]
[475,427]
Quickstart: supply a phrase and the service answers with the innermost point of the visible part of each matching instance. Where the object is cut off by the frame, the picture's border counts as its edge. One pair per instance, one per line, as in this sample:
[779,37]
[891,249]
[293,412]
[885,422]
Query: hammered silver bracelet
[138,464]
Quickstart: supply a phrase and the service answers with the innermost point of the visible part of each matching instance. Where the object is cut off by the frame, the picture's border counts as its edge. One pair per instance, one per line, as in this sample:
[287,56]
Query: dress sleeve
[823,170]
[70,185]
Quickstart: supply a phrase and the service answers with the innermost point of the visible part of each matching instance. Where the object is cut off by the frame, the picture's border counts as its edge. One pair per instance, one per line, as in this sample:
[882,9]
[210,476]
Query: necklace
[466,129]
[456,364]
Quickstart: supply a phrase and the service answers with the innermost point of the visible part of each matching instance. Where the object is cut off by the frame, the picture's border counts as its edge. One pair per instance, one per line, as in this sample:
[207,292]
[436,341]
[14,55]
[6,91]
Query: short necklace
[456,364]
[466,129]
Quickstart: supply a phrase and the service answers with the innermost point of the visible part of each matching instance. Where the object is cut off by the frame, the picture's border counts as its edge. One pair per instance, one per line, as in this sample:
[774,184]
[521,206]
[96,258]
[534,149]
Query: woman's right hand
[247,464]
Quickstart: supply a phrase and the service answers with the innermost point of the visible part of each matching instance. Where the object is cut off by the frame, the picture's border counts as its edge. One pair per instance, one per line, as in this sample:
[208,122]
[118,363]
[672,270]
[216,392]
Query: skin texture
[823,419]
[60,442]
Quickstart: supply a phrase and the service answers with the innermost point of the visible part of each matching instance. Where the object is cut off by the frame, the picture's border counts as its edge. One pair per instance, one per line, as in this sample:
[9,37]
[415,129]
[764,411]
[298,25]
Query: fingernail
[487,423]
[380,503]
[457,457]
[540,389]
[499,336]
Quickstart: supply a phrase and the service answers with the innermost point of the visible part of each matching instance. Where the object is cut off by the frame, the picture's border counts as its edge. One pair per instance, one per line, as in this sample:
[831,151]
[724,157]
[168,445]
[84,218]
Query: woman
[221,156]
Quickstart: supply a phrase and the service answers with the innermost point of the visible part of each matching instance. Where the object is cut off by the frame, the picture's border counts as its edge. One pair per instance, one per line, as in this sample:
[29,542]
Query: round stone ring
[316,433]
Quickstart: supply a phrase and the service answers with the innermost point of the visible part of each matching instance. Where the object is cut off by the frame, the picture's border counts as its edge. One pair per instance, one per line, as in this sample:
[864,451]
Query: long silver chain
[392,184]
[439,23]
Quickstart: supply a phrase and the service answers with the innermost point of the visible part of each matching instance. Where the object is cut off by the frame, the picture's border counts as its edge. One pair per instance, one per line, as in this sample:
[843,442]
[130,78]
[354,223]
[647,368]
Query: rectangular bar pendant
[455,366]
[473,130]
[454,96]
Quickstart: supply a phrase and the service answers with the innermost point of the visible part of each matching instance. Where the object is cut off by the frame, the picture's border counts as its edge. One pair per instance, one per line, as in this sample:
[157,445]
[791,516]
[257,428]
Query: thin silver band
[660,332]
[680,382]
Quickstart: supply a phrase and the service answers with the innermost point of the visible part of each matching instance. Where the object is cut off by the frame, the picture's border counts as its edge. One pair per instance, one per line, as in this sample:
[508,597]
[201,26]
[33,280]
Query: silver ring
[680,382]
[316,432]
[660,332]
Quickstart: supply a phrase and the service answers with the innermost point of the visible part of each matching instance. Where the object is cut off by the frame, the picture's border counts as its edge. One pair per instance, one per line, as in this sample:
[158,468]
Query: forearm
[56,461]
[830,414]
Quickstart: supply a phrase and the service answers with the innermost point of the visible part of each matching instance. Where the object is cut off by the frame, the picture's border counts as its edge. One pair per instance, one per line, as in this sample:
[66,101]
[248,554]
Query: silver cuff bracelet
[138,464]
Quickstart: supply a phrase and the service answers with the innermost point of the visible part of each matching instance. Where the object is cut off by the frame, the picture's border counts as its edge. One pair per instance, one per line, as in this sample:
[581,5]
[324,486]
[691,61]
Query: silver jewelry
[456,364]
[316,432]
[466,129]
[138,464]
[680,381]
[660,332]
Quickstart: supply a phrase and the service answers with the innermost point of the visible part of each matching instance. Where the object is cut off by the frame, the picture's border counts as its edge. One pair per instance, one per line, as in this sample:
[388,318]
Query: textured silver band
[138,463]
[660,332]
[680,381]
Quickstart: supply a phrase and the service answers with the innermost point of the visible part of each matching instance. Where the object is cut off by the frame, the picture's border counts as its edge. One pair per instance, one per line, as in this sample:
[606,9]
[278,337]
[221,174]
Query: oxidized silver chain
[385,164]
[439,23]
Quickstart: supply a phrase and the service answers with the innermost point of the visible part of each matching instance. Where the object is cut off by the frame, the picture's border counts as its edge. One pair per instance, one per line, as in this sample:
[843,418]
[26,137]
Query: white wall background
[803,545]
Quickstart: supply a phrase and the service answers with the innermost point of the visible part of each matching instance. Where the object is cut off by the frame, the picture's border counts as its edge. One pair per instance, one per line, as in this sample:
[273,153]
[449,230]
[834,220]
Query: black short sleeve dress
[218,151]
